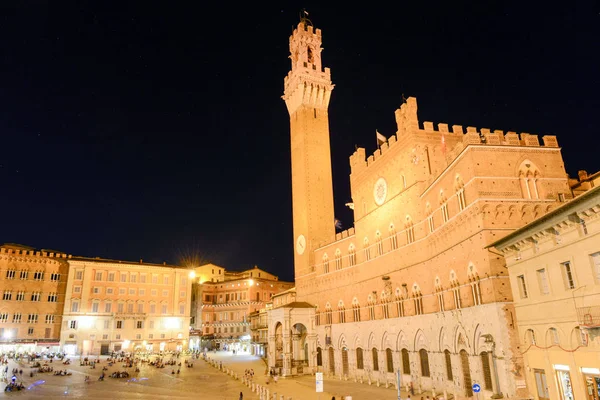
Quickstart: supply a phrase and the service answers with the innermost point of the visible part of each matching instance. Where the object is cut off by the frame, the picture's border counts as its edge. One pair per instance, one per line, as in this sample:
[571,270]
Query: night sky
[156,130]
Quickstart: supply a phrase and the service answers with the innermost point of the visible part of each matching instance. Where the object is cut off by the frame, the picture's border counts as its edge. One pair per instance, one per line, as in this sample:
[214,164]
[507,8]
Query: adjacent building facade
[411,288]
[32,284]
[222,302]
[116,306]
[554,267]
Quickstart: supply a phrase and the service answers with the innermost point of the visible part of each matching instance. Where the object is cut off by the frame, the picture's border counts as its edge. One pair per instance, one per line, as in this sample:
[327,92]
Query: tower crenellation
[457,139]
[307,83]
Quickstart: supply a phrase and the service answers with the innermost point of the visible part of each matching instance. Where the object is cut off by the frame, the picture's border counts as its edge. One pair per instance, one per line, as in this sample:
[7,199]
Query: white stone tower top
[307,83]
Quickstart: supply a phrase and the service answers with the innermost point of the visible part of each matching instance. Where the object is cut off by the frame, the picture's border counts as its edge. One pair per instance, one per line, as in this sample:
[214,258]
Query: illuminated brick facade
[116,305]
[32,286]
[411,287]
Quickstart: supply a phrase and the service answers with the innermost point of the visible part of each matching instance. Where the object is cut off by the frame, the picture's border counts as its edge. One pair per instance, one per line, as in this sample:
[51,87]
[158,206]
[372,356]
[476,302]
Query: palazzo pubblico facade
[412,286]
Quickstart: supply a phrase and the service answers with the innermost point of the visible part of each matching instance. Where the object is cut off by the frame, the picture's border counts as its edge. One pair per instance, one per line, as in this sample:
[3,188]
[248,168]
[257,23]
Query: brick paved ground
[203,381]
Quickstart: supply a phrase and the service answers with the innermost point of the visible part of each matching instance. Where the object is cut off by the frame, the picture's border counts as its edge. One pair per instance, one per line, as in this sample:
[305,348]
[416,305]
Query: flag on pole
[380,138]
[338,223]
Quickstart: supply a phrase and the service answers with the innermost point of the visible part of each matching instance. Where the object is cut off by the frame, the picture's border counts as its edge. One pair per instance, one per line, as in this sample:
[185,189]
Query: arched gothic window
[393,237]
[379,243]
[351,255]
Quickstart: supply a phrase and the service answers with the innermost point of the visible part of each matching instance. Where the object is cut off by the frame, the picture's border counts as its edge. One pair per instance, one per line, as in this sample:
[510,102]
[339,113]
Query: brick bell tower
[307,90]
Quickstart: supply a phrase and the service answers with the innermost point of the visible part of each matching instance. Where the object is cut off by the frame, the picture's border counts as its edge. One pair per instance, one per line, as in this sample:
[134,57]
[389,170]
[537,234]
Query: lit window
[379,243]
[393,237]
[351,255]
[338,259]
[410,230]
[445,215]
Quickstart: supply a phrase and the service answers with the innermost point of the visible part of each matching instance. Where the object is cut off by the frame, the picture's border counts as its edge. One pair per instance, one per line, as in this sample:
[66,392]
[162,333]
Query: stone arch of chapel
[479,341]
[371,341]
[357,342]
[443,343]
[460,340]
[401,341]
[420,341]
[385,343]
[341,342]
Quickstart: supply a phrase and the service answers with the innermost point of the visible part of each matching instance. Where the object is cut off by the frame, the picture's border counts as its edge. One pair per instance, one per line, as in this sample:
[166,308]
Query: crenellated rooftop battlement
[456,139]
[32,253]
[307,29]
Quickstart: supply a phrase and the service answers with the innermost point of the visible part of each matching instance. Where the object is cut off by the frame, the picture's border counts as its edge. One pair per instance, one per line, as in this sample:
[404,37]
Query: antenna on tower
[304,17]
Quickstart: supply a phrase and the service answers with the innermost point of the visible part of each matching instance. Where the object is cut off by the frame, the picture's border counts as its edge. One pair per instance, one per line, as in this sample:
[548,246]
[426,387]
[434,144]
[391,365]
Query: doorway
[331,361]
[464,362]
[345,361]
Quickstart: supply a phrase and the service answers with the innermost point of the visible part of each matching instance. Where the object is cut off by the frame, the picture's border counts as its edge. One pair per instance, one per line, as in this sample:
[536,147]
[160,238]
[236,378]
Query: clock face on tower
[300,244]
[380,191]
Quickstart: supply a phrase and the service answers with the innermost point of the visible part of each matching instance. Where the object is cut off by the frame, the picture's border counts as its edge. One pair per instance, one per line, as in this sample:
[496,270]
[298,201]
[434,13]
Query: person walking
[241,396]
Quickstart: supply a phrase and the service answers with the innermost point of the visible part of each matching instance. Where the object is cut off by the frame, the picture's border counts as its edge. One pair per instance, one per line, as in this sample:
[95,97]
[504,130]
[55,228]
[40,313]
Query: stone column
[271,351]
[287,352]
[494,372]
[296,347]
[312,352]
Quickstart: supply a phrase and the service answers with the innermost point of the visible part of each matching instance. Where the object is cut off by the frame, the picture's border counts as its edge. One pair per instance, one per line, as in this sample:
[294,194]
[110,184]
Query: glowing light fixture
[86,322]
[171,323]
[251,282]
[192,274]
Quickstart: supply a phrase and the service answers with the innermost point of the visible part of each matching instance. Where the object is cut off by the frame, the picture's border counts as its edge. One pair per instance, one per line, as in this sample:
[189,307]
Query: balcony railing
[589,316]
